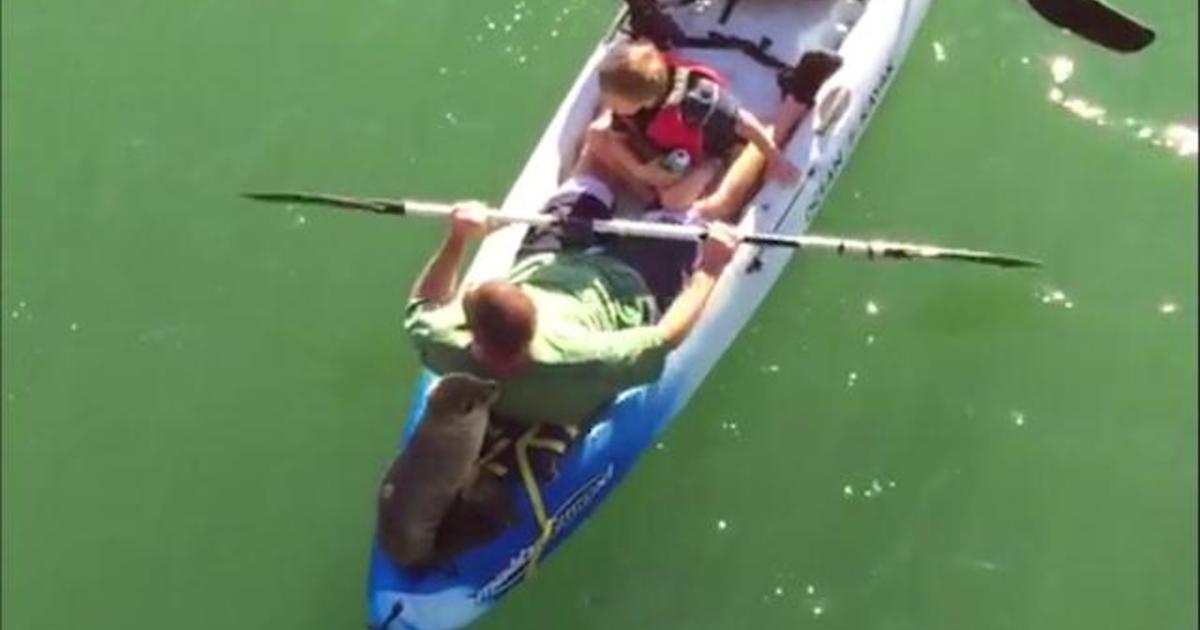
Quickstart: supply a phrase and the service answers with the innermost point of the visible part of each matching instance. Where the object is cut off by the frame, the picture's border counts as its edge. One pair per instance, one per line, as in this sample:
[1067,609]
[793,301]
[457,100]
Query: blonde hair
[636,71]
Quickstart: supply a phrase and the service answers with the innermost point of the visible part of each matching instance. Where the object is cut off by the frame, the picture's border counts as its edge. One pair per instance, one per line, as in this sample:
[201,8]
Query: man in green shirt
[570,326]
[572,323]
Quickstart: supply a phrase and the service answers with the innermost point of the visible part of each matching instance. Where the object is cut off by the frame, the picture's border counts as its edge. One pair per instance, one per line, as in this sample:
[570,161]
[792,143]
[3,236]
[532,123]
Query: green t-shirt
[594,337]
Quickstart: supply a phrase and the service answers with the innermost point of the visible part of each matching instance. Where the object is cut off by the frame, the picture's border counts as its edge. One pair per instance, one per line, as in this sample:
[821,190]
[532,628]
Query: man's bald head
[501,317]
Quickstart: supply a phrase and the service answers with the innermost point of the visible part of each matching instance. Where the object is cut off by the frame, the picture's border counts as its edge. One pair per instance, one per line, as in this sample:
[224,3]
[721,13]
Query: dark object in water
[1097,22]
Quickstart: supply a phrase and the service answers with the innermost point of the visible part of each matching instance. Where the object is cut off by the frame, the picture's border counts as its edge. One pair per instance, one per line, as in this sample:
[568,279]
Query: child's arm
[615,147]
[649,172]
[750,129]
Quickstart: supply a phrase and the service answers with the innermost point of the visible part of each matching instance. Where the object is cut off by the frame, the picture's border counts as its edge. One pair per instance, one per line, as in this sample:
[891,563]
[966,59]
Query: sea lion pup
[435,467]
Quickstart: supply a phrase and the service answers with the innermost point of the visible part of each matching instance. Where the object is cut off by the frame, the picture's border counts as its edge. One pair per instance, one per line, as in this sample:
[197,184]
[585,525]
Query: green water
[199,393]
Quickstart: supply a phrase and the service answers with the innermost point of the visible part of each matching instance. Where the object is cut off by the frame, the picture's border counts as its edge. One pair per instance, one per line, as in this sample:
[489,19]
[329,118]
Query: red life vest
[668,130]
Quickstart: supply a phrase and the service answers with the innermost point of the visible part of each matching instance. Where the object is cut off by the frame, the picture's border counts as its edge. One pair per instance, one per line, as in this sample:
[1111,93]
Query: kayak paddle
[646,229]
[1096,22]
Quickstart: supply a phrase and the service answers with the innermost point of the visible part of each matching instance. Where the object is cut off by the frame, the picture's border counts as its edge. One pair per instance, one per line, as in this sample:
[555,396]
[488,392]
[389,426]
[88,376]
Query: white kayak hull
[879,35]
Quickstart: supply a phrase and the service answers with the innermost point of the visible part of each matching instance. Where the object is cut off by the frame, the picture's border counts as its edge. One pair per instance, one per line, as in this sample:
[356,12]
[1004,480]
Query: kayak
[872,37]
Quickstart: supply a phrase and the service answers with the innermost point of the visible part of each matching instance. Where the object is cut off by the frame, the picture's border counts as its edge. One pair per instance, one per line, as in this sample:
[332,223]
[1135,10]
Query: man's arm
[715,253]
[679,319]
[439,280]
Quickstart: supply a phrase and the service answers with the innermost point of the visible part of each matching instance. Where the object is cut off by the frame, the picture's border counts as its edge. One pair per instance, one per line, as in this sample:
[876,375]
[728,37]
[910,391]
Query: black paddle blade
[1097,22]
[317,199]
[1003,261]
[996,260]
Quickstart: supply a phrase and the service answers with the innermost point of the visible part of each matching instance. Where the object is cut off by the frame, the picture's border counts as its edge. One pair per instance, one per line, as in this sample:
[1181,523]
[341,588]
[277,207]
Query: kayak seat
[650,20]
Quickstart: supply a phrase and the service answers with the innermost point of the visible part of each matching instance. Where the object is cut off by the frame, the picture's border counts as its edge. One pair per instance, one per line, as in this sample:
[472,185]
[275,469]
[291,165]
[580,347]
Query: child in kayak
[671,125]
